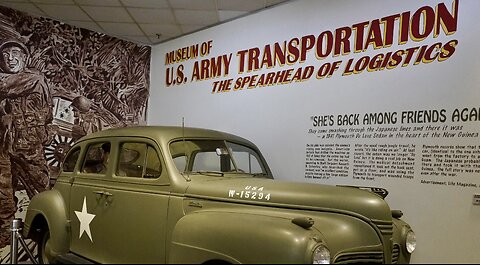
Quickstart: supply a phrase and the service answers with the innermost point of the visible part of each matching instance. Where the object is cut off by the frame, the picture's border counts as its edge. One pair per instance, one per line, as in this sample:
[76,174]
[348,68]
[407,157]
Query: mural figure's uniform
[25,111]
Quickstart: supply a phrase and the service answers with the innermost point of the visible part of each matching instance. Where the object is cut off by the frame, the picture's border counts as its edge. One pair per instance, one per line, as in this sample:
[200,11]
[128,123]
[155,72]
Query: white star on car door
[85,219]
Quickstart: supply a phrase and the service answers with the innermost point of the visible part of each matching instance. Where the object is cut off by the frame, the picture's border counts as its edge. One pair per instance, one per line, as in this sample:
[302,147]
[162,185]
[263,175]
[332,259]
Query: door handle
[101,192]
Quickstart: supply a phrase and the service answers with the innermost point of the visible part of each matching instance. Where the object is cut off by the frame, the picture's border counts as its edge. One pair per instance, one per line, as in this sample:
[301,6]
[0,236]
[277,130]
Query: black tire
[43,246]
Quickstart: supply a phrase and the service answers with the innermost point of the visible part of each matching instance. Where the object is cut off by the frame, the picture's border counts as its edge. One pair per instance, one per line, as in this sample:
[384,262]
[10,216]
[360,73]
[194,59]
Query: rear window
[71,160]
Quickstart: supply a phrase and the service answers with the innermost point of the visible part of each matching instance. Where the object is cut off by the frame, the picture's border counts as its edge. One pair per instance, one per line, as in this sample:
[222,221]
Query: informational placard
[436,147]
[367,93]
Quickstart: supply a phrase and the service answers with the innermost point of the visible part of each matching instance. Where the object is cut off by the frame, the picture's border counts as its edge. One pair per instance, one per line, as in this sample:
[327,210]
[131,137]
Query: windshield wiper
[209,173]
[256,175]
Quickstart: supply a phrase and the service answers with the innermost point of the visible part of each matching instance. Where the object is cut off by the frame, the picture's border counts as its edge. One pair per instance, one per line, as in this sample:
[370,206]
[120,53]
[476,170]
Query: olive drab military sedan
[187,195]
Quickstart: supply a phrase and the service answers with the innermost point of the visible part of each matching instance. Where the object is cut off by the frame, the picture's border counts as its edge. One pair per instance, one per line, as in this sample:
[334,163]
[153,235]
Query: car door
[136,204]
[87,203]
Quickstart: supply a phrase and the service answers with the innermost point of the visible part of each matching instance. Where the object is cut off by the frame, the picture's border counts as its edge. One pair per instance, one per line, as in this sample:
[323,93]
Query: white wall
[278,118]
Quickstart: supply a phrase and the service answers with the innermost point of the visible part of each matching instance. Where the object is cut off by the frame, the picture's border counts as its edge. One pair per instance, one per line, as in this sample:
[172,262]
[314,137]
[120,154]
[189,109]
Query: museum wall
[58,83]
[378,94]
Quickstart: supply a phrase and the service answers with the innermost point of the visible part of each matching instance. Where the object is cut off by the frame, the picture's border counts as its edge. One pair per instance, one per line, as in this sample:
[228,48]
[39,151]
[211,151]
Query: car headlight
[321,255]
[410,241]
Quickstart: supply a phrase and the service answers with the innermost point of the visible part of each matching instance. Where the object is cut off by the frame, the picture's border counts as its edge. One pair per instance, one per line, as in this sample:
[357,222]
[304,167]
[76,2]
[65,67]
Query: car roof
[164,134]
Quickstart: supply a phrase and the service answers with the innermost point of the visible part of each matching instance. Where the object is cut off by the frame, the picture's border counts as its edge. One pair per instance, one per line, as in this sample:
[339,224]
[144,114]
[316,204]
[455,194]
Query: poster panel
[371,93]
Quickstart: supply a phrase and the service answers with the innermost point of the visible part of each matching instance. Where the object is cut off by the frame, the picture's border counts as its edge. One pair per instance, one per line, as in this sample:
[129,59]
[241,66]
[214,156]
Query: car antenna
[184,173]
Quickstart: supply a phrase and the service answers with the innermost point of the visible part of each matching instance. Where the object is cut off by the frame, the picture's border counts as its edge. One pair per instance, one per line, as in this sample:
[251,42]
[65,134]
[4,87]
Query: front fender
[399,235]
[240,238]
[49,207]
[344,233]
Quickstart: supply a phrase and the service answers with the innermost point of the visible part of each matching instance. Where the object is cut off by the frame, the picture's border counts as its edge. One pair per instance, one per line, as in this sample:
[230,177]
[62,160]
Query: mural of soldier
[26,110]
[58,83]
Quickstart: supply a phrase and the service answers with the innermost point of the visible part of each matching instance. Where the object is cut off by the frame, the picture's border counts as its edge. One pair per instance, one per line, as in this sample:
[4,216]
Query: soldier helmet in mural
[12,59]
[82,104]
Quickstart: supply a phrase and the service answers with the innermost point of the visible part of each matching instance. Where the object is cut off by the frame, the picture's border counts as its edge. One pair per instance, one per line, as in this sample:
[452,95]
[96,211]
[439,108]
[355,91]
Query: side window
[246,162]
[246,159]
[154,166]
[97,158]
[71,160]
[138,160]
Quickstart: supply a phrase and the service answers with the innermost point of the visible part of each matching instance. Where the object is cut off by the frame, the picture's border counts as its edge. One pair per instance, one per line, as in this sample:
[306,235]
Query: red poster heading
[380,33]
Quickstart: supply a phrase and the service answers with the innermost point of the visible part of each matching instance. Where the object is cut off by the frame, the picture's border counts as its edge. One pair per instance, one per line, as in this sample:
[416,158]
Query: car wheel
[44,247]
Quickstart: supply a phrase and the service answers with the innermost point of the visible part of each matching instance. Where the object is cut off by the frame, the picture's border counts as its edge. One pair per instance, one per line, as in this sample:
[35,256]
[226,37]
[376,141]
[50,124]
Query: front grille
[386,227]
[395,253]
[360,257]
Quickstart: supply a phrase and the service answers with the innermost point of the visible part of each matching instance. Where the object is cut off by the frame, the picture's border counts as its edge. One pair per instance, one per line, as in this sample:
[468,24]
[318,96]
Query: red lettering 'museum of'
[378,33]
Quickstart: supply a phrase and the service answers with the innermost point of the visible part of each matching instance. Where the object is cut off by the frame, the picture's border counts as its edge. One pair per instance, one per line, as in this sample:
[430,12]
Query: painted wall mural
[57,84]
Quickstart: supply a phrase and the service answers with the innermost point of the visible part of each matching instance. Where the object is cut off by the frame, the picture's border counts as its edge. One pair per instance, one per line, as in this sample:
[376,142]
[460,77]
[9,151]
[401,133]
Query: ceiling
[142,21]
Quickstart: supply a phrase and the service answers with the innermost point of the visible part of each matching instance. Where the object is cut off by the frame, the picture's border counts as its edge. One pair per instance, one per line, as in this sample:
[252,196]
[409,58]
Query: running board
[71,258]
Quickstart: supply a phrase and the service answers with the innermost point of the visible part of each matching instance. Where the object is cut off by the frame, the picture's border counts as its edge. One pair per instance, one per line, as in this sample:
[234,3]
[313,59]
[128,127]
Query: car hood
[305,196]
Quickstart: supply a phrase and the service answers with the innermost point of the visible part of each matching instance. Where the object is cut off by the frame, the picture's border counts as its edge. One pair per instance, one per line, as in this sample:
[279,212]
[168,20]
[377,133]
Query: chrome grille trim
[395,253]
[385,227]
[360,257]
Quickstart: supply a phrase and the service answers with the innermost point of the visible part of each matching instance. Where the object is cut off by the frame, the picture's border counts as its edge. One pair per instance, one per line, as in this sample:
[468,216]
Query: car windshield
[216,158]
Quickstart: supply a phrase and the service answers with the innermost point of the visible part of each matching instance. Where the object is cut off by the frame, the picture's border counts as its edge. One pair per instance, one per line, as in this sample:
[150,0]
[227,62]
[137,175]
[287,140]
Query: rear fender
[55,216]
